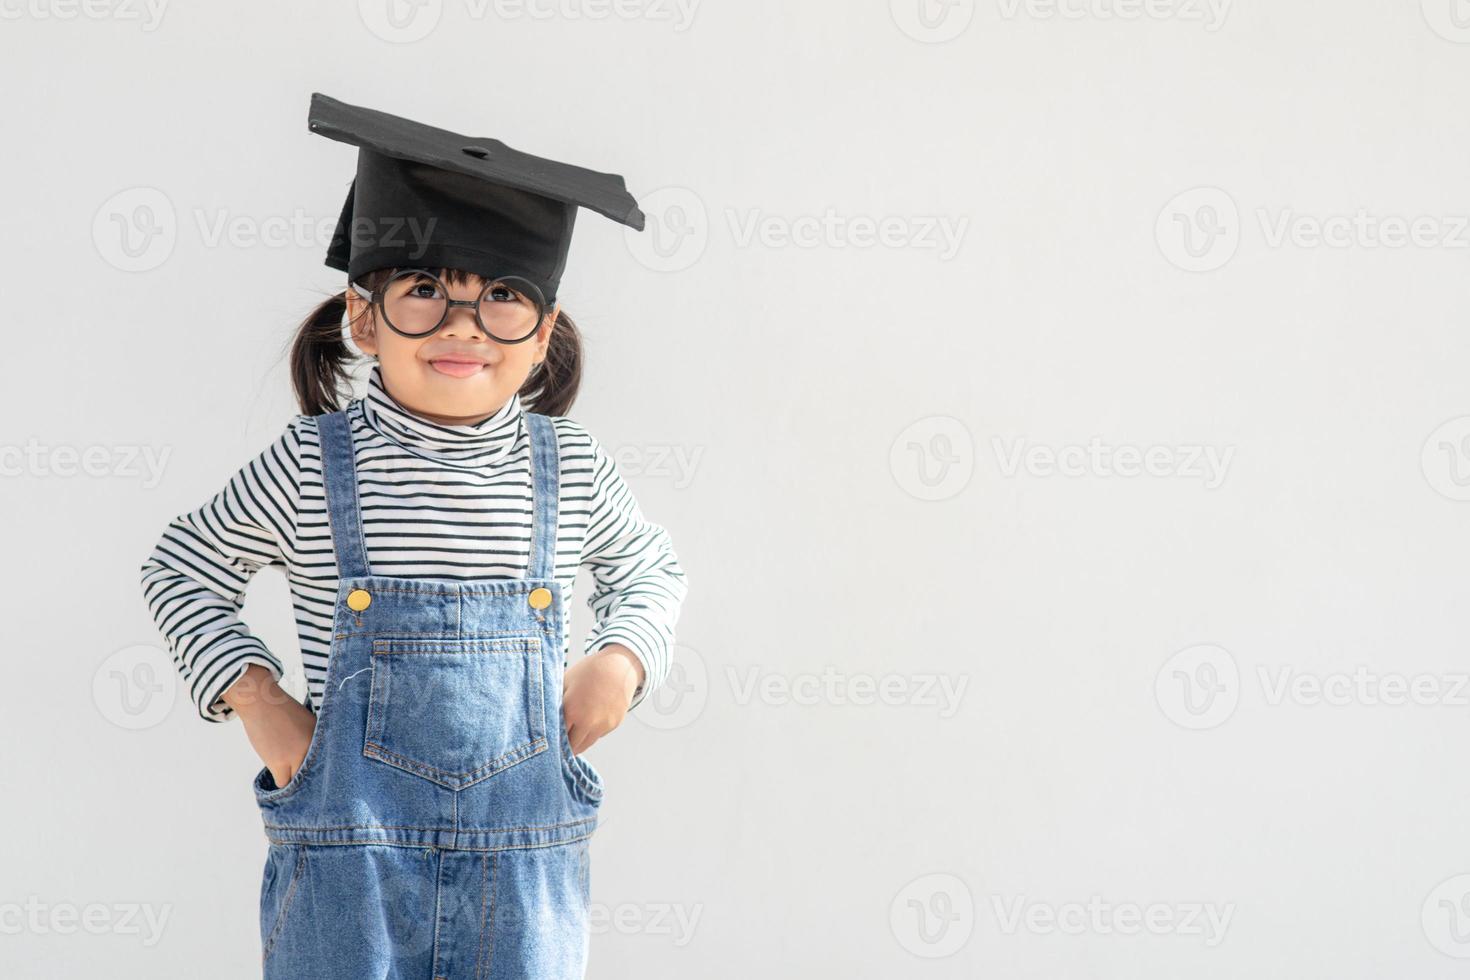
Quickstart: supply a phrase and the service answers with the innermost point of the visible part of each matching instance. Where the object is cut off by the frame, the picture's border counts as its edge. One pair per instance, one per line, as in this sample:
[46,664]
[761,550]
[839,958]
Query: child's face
[449,393]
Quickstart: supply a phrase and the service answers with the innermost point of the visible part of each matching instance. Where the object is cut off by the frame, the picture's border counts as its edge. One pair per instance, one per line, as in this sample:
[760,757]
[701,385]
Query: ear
[362,336]
[543,336]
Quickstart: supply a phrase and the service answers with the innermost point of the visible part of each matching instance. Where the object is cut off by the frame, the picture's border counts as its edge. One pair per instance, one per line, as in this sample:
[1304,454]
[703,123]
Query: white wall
[1164,229]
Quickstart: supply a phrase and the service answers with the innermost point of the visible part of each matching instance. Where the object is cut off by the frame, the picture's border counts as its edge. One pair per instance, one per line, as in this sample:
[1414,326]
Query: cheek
[519,358]
[396,349]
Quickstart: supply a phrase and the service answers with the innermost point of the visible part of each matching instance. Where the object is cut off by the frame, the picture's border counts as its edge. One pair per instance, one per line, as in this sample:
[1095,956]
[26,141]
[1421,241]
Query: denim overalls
[438,826]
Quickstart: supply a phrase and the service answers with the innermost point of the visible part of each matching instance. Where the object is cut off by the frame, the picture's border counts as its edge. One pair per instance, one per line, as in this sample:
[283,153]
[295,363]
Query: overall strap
[545,496]
[339,478]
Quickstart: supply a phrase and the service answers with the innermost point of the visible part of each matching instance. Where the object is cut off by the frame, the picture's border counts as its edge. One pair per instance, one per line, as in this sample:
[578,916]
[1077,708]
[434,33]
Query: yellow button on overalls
[358,599]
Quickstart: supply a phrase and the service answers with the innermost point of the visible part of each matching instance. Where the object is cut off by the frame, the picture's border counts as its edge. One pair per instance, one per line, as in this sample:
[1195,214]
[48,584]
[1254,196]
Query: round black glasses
[415,303]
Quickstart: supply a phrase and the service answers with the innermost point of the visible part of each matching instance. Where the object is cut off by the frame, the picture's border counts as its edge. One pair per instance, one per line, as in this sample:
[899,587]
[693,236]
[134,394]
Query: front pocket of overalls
[456,711]
[264,784]
[583,780]
[282,879]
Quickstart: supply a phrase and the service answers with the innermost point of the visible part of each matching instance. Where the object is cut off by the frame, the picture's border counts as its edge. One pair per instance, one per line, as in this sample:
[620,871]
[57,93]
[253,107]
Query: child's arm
[638,582]
[194,581]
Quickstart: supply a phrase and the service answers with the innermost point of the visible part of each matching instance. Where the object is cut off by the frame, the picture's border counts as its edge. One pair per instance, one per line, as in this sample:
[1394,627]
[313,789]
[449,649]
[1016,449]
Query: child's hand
[595,693]
[279,726]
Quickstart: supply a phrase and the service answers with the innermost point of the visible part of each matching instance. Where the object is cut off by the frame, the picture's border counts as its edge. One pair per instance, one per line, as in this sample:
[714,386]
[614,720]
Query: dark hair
[321,358]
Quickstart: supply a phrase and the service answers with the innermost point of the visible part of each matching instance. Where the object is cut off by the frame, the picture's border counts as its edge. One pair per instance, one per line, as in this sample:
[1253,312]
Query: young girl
[427,810]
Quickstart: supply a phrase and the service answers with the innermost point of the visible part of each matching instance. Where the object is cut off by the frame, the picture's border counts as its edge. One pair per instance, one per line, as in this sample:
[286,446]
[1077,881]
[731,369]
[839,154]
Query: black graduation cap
[426,197]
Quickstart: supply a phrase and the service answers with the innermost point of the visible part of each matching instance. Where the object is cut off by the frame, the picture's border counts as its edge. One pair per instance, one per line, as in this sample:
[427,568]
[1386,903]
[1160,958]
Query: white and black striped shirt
[438,501]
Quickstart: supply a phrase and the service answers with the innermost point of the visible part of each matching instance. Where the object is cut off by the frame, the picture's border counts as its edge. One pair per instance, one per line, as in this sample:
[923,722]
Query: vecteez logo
[1200,687]
[1201,230]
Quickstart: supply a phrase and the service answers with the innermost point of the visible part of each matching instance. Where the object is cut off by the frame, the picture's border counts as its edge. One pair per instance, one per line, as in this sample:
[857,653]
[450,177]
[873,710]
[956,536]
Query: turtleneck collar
[485,443]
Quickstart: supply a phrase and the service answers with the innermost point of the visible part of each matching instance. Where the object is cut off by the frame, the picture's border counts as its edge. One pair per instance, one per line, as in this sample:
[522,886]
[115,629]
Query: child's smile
[458,365]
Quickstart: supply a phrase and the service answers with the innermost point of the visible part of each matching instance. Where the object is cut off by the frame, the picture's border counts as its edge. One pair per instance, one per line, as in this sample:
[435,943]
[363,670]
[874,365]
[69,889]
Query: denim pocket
[280,882]
[583,779]
[584,862]
[264,784]
[456,711]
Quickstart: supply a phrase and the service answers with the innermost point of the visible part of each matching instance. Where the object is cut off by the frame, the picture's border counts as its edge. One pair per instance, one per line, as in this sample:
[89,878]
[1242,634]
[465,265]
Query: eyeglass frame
[375,298]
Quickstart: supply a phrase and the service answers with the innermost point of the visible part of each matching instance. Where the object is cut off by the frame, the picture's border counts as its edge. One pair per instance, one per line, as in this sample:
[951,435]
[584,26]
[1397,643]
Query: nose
[461,322]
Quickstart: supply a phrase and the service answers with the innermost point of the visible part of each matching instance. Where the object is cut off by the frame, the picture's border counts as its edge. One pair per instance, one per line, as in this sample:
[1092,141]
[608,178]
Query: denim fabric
[438,827]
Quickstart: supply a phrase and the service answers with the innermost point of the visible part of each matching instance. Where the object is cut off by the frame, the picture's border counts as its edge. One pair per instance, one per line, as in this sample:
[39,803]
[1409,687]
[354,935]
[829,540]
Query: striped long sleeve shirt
[438,501]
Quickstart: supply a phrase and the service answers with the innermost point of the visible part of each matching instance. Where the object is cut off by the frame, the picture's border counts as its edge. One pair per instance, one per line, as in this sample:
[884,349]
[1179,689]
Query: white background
[1172,230]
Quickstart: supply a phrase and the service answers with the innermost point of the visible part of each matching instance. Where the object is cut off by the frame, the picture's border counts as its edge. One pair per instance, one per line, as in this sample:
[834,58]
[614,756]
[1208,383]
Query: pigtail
[320,358]
[552,387]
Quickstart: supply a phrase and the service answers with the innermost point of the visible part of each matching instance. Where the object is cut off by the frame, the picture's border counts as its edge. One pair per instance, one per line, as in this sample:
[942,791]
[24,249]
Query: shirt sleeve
[638,585]
[194,581]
